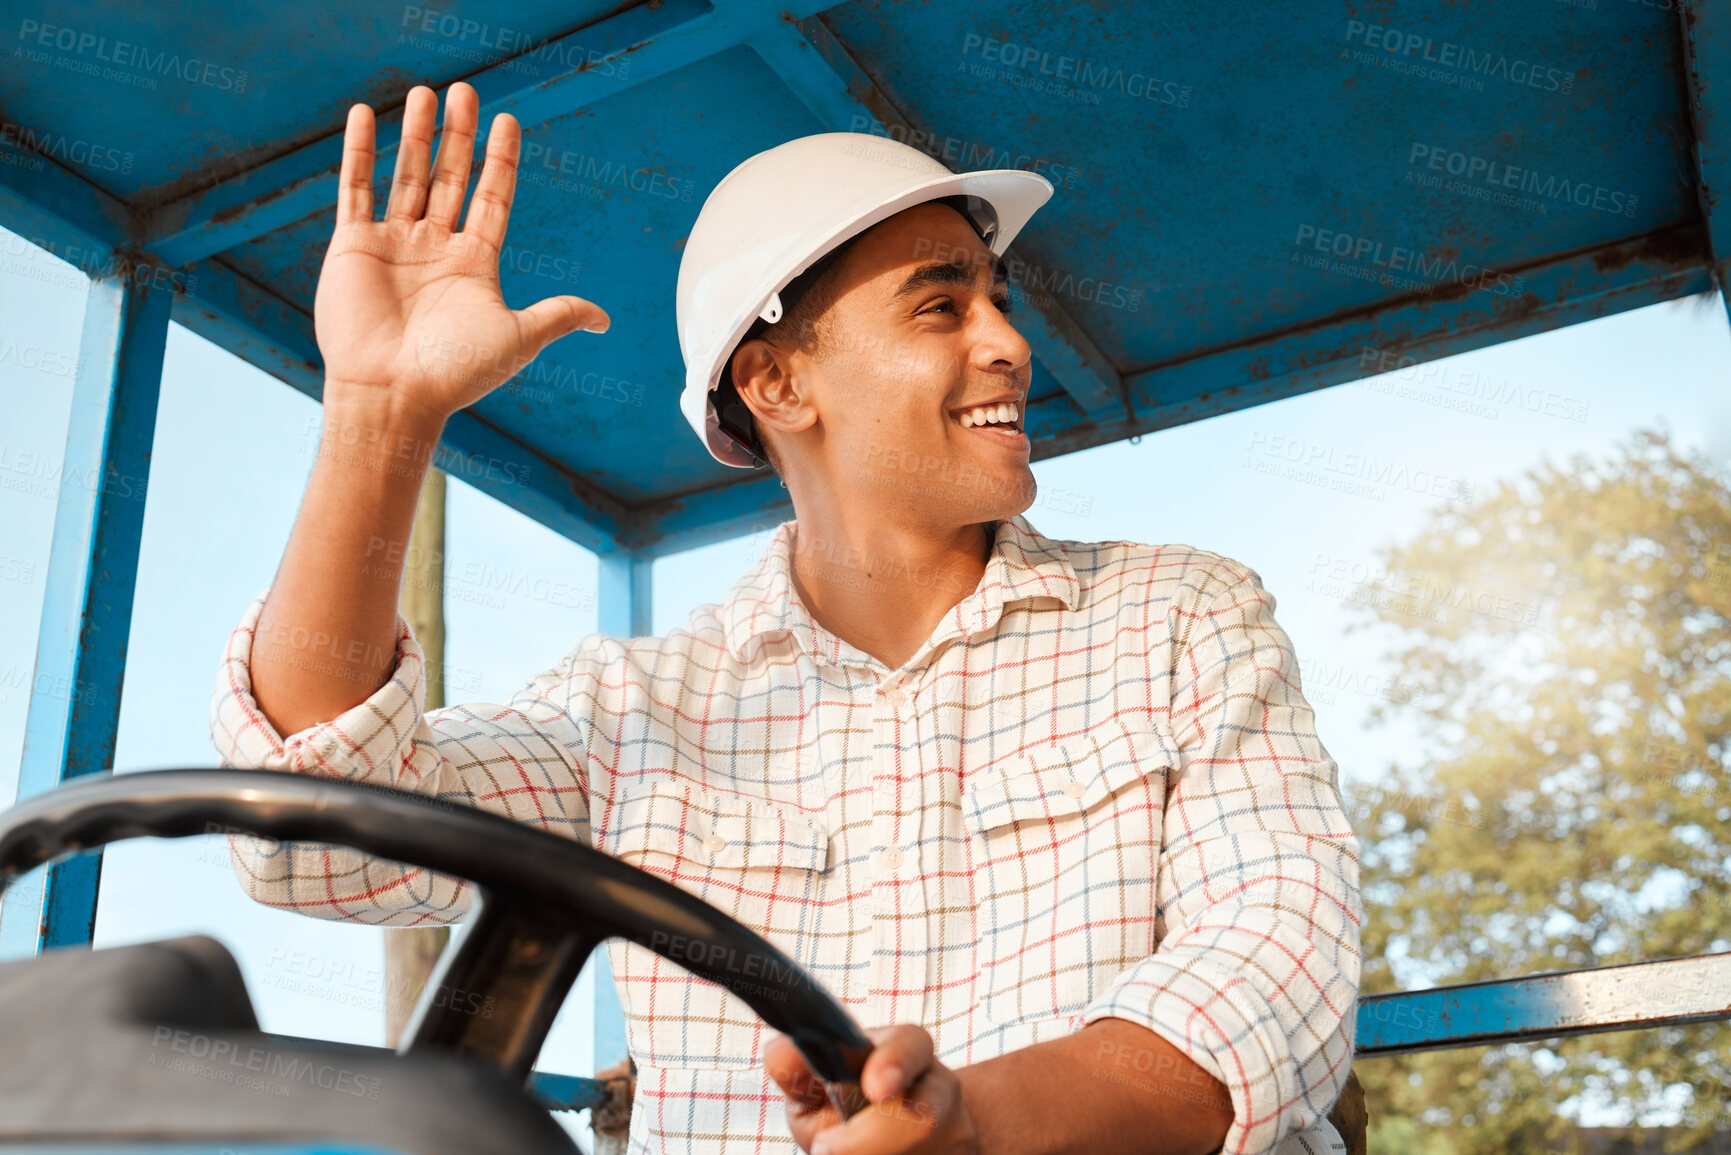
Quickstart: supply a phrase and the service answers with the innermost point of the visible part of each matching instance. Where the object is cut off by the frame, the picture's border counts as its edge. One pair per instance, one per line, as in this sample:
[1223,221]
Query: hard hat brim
[1014,194]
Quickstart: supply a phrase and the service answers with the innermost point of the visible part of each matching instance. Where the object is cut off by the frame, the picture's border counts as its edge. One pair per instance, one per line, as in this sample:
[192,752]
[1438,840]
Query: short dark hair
[804,301]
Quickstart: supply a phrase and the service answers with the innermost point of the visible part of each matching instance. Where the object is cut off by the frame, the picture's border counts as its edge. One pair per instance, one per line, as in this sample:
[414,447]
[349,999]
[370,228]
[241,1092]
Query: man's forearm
[327,637]
[1112,1086]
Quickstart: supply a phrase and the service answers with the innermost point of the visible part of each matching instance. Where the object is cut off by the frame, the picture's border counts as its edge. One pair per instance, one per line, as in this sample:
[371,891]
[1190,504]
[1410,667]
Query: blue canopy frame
[1245,192]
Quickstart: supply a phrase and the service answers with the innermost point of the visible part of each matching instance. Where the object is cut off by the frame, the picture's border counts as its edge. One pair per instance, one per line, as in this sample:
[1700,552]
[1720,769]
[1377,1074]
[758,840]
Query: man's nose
[999,343]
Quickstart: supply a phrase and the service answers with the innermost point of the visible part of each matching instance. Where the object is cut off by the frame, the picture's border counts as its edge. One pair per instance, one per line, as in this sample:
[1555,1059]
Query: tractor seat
[158,1042]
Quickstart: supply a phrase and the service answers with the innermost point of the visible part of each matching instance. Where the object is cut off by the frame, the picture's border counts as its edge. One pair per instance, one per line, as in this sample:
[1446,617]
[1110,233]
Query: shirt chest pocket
[761,863]
[1065,840]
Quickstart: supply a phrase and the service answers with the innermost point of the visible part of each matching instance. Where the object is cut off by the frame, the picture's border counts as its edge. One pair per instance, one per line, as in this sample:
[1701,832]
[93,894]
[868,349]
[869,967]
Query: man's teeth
[1004,414]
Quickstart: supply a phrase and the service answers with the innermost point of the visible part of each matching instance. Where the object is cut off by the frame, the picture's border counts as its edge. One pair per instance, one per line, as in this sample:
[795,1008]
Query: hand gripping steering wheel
[546,902]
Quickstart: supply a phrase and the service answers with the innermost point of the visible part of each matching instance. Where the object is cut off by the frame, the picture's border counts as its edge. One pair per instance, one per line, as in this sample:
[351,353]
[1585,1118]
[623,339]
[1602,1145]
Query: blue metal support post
[624,601]
[1706,32]
[624,605]
[74,711]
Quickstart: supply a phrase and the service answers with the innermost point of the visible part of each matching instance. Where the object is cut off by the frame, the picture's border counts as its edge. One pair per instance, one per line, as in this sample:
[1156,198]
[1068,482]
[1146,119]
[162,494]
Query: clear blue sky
[234,446]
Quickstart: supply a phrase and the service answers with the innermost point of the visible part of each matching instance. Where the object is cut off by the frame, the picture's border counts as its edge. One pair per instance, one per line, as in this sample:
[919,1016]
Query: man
[1051,817]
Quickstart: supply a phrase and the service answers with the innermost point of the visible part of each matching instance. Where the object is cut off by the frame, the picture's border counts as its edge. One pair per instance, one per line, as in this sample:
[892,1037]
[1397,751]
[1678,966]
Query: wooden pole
[411,953]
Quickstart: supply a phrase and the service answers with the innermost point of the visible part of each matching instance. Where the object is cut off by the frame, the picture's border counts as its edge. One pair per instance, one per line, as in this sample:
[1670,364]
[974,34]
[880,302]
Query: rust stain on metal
[1455,290]
[247,208]
[590,64]
[1676,247]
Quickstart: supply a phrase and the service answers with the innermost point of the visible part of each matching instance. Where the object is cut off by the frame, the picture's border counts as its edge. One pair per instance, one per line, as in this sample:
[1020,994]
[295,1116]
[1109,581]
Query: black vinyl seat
[158,1042]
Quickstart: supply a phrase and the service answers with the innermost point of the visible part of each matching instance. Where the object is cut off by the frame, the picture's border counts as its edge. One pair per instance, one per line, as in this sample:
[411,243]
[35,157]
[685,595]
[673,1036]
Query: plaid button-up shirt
[1095,790]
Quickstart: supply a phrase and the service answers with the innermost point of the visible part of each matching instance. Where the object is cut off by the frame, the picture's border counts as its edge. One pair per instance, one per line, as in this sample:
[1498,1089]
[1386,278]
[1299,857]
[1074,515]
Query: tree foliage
[1565,648]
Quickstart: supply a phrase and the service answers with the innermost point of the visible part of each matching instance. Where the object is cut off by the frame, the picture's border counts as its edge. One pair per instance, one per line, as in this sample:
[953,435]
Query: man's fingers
[808,1107]
[456,150]
[901,1055]
[901,1122]
[546,321]
[414,150]
[355,184]
[793,1074]
[490,211]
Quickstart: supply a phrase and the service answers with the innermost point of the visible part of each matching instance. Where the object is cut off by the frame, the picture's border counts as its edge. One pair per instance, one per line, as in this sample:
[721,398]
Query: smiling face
[913,395]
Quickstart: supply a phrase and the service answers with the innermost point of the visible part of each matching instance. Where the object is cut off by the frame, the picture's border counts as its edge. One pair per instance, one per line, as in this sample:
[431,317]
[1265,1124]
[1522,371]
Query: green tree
[1564,646]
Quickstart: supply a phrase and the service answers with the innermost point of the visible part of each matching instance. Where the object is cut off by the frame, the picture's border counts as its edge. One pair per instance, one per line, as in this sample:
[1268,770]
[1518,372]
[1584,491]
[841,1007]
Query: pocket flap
[1056,779]
[714,829]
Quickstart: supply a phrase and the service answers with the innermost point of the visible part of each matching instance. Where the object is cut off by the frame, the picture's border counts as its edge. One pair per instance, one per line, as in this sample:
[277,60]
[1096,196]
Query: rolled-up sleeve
[1256,972]
[523,760]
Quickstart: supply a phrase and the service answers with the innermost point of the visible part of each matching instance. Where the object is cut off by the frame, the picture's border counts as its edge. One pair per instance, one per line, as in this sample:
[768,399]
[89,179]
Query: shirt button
[895,697]
[891,858]
[1074,788]
[715,844]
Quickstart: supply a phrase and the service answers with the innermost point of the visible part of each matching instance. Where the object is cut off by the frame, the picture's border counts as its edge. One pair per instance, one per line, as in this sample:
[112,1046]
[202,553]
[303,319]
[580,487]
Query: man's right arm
[525,759]
[323,676]
[327,638]
[412,326]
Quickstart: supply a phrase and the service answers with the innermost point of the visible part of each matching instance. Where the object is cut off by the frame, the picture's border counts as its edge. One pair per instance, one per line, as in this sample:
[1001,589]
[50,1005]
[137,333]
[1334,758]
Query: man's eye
[1005,305]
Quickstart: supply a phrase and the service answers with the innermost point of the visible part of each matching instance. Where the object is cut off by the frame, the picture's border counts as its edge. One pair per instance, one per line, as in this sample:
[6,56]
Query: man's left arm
[1237,1031]
[1256,977]
[1250,997]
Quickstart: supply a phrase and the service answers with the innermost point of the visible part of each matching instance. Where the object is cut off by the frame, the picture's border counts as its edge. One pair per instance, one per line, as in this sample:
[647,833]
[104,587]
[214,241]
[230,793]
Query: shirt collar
[1024,565]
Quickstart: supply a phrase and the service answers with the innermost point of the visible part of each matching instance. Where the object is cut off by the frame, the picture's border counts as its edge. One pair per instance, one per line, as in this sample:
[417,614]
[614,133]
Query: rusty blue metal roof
[1251,203]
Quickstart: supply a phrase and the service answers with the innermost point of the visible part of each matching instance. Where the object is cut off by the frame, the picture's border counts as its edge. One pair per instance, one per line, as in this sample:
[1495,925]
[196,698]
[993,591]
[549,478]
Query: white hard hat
[776,214]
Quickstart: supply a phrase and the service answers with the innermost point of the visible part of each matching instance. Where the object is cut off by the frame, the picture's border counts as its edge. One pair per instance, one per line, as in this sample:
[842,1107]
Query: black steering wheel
[546,902]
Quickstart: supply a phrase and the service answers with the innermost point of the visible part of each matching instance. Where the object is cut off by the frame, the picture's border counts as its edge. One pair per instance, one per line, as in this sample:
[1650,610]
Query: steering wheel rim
[546,901]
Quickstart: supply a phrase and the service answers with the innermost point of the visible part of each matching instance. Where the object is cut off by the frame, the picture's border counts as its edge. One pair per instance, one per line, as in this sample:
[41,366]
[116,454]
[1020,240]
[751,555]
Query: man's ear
[763,376]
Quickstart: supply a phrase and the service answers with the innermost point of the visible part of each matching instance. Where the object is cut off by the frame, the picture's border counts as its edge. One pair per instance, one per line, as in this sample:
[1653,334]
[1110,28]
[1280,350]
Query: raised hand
[411,305]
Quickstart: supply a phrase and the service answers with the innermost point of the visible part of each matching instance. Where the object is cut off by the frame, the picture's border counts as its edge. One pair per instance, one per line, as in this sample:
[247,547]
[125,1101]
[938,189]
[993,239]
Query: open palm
[410,304]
